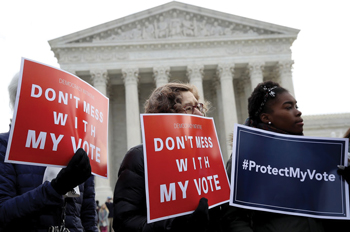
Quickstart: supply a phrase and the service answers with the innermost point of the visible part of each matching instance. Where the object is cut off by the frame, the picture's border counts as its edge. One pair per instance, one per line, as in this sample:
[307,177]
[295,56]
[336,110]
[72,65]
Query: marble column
[225,73]
[274,75]
[247,88]
[161,75]
[238,86]
[195,74]
[285,73]
[133,129]
[219,121]
[99,78]
[256,73]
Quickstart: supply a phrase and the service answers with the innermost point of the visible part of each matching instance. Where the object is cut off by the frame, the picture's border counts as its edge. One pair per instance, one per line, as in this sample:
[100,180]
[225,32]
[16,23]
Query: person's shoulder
[136,148]
[3,143]
[4,138]
[133,160]
[134,152]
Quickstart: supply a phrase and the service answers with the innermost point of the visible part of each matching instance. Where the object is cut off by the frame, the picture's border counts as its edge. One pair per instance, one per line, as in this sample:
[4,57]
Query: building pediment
[173,22]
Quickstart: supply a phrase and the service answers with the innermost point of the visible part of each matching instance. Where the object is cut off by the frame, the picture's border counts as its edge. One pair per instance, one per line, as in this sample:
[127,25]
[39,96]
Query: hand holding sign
[65,113]
[188,149]
[77,171]
[344,172]
[292,174]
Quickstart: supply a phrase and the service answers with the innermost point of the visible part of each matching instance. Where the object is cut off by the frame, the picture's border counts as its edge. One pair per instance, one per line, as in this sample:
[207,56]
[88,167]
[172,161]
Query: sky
[320,53]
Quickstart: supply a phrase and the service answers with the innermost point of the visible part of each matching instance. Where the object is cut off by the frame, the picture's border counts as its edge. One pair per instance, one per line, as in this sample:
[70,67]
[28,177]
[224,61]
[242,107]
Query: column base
[102,190]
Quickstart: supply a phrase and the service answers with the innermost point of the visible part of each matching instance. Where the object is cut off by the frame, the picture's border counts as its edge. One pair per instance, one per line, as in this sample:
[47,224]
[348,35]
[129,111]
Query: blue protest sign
[289,174]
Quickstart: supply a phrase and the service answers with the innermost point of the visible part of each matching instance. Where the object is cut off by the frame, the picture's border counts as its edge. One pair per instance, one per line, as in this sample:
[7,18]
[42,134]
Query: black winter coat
[130,212]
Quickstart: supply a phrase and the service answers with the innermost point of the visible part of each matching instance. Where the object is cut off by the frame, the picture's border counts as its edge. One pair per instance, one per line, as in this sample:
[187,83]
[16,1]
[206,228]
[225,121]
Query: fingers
[77,157]
[79,165]
[344,172]
[80,158]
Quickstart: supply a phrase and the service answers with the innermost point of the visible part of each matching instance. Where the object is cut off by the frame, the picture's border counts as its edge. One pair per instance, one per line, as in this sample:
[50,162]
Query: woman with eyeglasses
[130,194]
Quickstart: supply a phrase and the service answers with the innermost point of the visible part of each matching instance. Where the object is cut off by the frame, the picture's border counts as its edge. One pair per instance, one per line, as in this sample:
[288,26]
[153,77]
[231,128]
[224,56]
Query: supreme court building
[224,55]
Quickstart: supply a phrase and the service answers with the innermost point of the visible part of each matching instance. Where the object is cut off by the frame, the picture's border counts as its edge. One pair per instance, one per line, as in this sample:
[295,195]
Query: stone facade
[326,125]
[224,55]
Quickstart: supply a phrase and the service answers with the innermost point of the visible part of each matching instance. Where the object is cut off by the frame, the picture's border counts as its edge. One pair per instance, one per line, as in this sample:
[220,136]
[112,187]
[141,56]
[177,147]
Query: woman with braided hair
[271,107]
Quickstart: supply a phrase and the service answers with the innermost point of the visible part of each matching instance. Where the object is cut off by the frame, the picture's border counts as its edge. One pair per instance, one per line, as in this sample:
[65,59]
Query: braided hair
[261,99]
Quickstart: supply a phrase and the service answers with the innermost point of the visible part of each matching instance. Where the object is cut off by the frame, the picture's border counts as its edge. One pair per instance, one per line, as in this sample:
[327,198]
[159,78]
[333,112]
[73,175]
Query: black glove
[77,171]
[197,221]
[344,172]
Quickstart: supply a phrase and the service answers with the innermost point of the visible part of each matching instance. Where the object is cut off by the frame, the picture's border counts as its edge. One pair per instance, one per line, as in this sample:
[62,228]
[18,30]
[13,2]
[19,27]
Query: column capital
[161,74]
[284,69]
[275,76]
[216,82]
[284,66]
[195,72]
[225,71]
[130,75]
[99,77]
[256,68]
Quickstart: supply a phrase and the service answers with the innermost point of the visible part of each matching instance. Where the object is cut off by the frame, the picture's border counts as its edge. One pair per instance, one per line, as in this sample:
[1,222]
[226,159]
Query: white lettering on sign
[33,142]
[180,142]
[170,194]
[292,172]
[95,151]
[59,118]
[202,184]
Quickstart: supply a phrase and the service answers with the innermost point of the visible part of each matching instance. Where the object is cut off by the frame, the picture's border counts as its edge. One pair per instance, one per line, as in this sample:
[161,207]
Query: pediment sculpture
[175,25]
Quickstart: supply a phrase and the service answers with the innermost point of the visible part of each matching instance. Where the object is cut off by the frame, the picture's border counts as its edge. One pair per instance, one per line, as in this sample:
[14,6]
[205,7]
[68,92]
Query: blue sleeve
[13,206]
[88,210]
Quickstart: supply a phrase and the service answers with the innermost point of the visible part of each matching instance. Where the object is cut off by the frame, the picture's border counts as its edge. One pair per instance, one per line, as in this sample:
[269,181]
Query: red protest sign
[183,163]
[55,114]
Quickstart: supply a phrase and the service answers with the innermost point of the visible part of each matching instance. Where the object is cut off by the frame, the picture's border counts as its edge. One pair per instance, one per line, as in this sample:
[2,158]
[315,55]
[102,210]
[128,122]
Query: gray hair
[12,88]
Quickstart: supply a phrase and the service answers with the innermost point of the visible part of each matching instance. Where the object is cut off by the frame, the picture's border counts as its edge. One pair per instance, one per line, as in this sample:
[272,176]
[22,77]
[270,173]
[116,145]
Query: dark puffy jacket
[130,212]
[130,208]
[28,205]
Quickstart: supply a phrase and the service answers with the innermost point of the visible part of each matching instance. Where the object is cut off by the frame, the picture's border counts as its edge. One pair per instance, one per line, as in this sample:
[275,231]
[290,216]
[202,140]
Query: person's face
[285,114]
[189,99]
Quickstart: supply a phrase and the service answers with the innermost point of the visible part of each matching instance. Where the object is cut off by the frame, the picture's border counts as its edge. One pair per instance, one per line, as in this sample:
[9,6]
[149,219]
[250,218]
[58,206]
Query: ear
[265,118]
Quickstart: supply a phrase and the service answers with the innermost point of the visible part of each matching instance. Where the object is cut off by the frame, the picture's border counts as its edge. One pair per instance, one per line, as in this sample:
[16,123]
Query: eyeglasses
[189,109]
